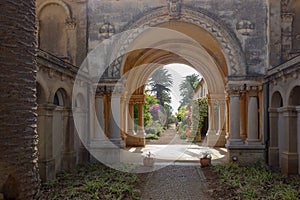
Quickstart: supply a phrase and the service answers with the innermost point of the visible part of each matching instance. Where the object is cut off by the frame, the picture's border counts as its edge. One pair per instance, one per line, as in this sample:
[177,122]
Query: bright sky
[179,72]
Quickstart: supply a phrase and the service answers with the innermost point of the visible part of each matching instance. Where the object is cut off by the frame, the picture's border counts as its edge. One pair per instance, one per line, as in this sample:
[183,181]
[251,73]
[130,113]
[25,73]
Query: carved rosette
[107,30]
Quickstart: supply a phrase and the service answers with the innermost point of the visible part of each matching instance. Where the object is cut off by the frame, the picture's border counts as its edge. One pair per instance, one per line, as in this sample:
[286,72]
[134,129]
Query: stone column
[289,156]
[221,134]
[243,113]
[252,130]
[70,25]
[115,117]
[69,154]
[131,119]
[286,39]
[99,123]
[234,129]
[273,146]
[298,136]
[45,145]
[124,111]
[211,123]
[141,131]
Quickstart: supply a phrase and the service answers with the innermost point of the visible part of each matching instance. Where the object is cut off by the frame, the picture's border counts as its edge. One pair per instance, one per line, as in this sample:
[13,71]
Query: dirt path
[168,136]
[175,182]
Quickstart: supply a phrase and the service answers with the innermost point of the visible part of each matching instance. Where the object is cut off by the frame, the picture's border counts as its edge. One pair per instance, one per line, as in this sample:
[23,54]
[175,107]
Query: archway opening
[202,53]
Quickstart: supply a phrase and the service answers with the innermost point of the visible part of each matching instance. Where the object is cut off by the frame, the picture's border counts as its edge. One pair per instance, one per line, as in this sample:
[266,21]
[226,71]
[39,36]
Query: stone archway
[212,49]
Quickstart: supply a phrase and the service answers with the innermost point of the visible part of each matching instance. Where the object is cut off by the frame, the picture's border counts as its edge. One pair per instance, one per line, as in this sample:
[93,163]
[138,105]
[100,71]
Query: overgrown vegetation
[92,181]
[256,181]
[192,119]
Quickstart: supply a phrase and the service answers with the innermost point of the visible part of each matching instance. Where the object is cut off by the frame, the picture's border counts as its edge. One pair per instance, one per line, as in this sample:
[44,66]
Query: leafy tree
[160,83]
[187,88]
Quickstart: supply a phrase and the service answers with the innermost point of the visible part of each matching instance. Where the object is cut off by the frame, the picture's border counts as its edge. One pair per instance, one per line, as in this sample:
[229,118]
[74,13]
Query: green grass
[92,181]
[257,181]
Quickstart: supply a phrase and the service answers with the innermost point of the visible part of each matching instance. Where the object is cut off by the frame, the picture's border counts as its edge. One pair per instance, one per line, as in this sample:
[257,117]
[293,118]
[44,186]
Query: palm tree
[187,88]
[18,118]
[160,83]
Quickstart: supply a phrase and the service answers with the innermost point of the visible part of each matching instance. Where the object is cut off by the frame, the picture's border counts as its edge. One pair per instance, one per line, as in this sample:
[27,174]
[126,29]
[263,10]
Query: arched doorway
[142,62]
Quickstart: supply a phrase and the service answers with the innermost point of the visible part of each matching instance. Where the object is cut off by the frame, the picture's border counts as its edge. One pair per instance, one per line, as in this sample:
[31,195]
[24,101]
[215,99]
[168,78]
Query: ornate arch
[228,41]
[58,2]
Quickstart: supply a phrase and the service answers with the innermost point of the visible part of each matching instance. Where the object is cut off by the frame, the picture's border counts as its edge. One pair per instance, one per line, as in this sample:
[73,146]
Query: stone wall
[246,20]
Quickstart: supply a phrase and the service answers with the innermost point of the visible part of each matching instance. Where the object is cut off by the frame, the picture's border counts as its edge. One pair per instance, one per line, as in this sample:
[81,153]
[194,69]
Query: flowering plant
[205,154]
[148,155]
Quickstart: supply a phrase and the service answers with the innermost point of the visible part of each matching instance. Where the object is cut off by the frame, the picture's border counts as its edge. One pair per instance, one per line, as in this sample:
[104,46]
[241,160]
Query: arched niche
[52,16]
[294,97]
[276,100]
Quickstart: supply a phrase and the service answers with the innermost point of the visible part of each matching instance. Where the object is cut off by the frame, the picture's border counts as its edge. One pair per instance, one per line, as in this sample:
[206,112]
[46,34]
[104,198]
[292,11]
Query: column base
[289,163]
[47,170]
[274,156]
[83,155]
[234,142]
[216,139]
[135,140]
[105,151]
[245,154]
[69,160]
[253,141]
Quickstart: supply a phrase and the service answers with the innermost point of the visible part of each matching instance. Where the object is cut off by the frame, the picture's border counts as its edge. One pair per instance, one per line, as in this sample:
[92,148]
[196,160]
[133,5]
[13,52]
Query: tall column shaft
[253,133]
[289,155]
[99,119]
[131,119]
[141,131]
[211,123]
[243,113]
[273,146]
[115,131]
[45,146]
[234,137]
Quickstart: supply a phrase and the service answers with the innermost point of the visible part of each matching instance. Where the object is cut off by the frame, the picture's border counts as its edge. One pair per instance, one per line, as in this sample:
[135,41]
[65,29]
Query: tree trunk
[18,119]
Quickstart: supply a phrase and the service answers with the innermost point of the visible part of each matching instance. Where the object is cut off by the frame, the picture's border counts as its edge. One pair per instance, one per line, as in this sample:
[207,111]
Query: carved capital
[70,23]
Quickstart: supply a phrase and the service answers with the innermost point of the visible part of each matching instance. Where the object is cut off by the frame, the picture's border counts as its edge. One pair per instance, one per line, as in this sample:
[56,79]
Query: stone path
[175,182]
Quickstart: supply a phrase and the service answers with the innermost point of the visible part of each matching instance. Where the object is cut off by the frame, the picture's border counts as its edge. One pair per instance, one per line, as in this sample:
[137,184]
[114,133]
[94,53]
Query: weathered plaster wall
[247,20]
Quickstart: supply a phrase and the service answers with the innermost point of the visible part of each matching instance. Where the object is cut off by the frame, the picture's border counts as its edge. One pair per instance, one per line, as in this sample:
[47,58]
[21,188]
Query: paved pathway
[176,183]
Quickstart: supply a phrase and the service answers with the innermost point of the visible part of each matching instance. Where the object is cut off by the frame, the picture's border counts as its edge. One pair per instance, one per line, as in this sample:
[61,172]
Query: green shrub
[152,137]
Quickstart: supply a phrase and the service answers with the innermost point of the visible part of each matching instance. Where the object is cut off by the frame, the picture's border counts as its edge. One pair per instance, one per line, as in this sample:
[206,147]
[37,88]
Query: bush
[154,128]
[152,137]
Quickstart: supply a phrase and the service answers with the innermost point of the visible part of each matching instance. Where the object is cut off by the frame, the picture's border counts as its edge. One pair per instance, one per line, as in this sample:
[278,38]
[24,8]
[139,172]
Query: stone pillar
[298,136]
[99,123]
[141,131]
[115,130]
[243,114]
[70,25]
[286,39]
[211,123]
[69,154]
[289,156]
[273,146]
[253,125]
[45,145]
[131,119]
[123,122]
[234,129]
[221,134]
